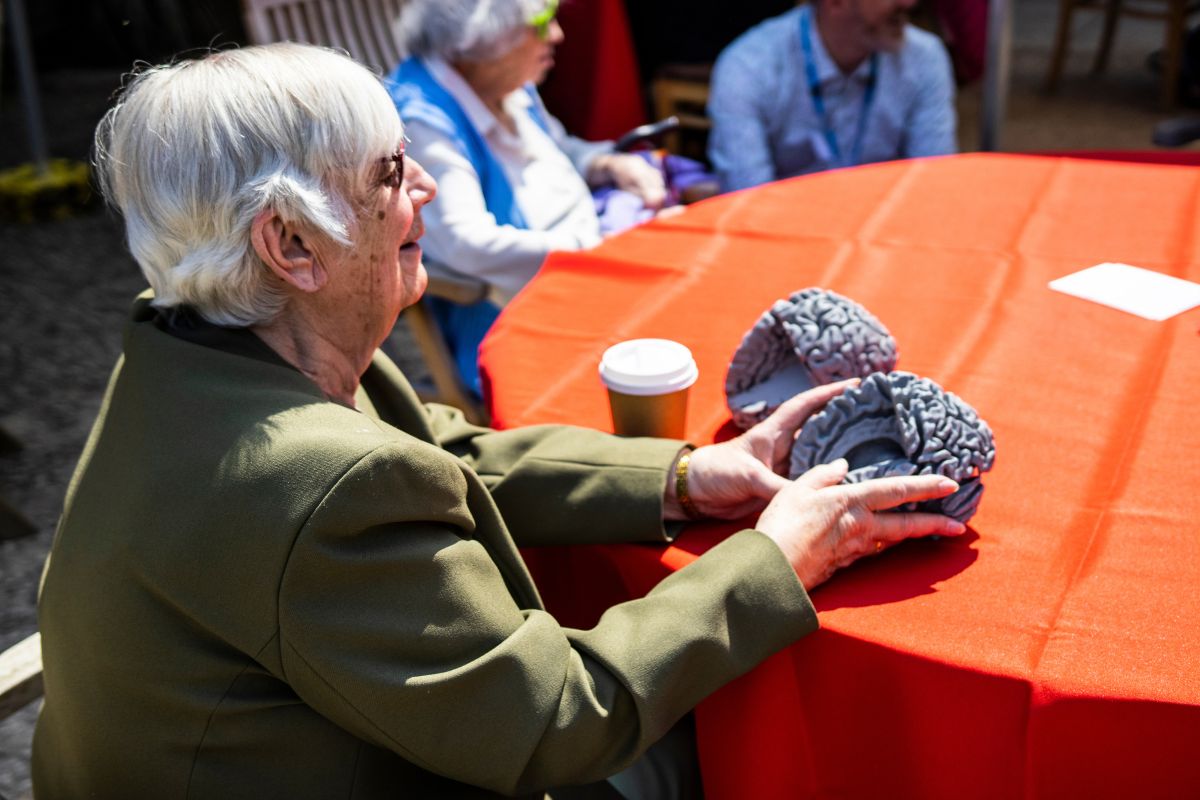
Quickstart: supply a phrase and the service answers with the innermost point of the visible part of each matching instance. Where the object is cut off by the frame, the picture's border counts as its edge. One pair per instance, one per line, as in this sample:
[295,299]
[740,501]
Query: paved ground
[60,315]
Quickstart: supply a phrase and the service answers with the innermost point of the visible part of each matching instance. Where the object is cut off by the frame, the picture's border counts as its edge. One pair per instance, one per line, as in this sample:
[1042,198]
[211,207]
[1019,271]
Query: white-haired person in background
[513,184]
[277,574]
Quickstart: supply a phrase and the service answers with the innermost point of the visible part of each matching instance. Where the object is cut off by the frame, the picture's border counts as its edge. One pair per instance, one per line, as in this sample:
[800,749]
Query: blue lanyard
[818,99]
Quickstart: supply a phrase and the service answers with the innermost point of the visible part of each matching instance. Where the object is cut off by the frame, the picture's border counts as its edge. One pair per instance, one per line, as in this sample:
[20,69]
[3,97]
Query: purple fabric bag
[620,210]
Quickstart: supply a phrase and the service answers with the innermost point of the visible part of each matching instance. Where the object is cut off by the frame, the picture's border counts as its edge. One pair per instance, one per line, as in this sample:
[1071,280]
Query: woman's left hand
[633,174]
[739,477]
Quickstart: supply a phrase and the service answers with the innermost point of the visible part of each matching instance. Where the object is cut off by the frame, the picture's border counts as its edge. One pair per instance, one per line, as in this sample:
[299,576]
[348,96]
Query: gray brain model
[899,424]
[813,337]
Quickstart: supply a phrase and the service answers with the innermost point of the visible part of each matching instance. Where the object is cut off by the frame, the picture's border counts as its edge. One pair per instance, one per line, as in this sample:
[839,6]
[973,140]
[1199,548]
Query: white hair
[463,30]
[193,151]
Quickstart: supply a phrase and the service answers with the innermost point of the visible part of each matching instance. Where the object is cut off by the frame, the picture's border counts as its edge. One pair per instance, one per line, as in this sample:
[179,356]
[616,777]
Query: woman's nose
[421,186]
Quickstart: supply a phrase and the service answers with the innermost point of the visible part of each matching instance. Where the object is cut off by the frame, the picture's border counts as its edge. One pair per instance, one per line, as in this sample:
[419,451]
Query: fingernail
[946,483]
[840,463]
[957,527]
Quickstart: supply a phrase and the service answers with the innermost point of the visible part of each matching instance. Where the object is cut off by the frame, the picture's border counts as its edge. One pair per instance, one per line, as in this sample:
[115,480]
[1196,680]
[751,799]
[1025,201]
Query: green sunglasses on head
[540,22]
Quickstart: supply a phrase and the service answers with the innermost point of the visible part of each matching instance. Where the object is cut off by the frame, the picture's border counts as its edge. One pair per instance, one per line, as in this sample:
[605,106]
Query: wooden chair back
[1172,12]
[363,28]
[681,90]
[20,675]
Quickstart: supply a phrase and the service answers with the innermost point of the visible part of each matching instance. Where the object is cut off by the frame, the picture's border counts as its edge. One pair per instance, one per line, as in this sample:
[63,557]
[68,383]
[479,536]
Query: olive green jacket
[255,592]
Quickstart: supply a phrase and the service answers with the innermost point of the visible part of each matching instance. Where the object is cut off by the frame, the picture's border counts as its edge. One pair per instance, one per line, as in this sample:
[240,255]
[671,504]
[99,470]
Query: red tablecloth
[1053,650]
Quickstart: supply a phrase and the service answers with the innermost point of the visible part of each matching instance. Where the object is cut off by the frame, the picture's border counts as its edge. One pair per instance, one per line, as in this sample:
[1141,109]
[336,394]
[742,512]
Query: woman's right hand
[822,525]
[633,174]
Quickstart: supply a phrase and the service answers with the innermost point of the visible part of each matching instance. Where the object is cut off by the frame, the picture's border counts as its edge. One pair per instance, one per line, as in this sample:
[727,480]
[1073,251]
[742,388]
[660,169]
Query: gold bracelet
[681,488]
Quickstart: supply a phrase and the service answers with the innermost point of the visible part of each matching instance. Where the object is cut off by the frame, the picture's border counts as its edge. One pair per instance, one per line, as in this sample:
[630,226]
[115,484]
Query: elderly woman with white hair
[278,575]
[514,185]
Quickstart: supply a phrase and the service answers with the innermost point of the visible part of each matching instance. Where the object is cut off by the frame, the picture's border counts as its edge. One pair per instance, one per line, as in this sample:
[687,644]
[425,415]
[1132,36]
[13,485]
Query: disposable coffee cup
[648,382]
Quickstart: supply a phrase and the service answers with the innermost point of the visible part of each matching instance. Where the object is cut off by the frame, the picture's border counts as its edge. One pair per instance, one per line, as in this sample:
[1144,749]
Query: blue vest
[419,96]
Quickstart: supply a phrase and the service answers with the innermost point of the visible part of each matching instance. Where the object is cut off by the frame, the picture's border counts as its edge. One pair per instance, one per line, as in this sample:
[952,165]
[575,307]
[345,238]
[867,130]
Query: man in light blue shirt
[831,84]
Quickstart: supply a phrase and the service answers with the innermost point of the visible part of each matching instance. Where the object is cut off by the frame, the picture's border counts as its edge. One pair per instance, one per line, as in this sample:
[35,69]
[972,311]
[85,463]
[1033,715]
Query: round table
[1050,651]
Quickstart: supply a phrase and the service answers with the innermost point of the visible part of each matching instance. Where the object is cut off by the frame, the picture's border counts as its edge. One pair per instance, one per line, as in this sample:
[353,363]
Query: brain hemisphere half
[813,337]
[899,424]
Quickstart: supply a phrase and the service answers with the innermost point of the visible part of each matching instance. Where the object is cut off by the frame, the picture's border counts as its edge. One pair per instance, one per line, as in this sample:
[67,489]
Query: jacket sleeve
[397,623]
[581,152]
[558,484]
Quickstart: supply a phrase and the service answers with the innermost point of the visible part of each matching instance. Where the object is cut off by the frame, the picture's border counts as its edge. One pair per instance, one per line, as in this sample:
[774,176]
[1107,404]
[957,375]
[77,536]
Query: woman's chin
[417,286]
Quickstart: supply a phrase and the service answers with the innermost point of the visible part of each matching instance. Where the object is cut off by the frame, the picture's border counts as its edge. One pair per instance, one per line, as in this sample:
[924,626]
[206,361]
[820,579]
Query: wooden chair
[449,388]
[1173,12]
[363,28]
[681,90]
[20,675]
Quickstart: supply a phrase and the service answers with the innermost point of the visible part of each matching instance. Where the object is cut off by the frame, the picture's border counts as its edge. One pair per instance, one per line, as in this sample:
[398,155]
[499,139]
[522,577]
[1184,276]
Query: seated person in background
[834,83]
[277,574]
[514,185]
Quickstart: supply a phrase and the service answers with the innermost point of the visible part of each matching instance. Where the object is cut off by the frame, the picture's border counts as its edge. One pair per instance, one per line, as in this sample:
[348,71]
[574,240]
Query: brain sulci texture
[899,424]
[813,337]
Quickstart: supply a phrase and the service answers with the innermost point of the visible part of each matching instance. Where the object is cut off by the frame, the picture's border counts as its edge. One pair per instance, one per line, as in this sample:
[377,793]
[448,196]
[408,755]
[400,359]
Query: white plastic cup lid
[648,366]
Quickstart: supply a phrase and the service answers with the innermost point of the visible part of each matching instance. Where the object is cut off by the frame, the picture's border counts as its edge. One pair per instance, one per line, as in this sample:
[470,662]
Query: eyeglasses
[394,168]
[540,22]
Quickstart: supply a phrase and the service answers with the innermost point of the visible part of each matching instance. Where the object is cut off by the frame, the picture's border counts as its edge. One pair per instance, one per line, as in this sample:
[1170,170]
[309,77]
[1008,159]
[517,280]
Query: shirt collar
[185,323]
[827,68]
[479,115]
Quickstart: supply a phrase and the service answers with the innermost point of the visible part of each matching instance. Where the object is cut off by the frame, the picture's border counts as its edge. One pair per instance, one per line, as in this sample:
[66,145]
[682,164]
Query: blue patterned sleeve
[738,145]
[933,120]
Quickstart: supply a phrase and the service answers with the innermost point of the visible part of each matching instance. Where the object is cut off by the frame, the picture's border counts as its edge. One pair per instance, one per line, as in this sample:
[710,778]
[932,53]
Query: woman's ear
[286,251]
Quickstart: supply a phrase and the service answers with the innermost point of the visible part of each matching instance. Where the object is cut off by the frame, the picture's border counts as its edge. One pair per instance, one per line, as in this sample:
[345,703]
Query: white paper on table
[1139,291]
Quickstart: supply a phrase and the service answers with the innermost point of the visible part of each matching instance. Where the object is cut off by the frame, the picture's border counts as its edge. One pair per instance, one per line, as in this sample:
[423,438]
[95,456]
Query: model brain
[813,337]
[899,424]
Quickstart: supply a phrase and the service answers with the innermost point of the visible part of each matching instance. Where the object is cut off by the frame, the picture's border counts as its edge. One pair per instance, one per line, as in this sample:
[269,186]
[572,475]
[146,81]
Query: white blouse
[545,172]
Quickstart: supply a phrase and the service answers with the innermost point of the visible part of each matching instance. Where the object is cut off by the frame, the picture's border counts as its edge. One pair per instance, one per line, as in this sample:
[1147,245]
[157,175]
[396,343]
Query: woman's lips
[415,232]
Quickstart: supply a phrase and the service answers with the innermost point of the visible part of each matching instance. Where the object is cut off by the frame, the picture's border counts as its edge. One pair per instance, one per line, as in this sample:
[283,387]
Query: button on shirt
[766,125]
[544,169]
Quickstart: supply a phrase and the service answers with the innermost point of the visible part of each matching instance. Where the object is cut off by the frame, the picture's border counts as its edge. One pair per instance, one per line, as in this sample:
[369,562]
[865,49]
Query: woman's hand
[633,174]
[822,526]
[739,477]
